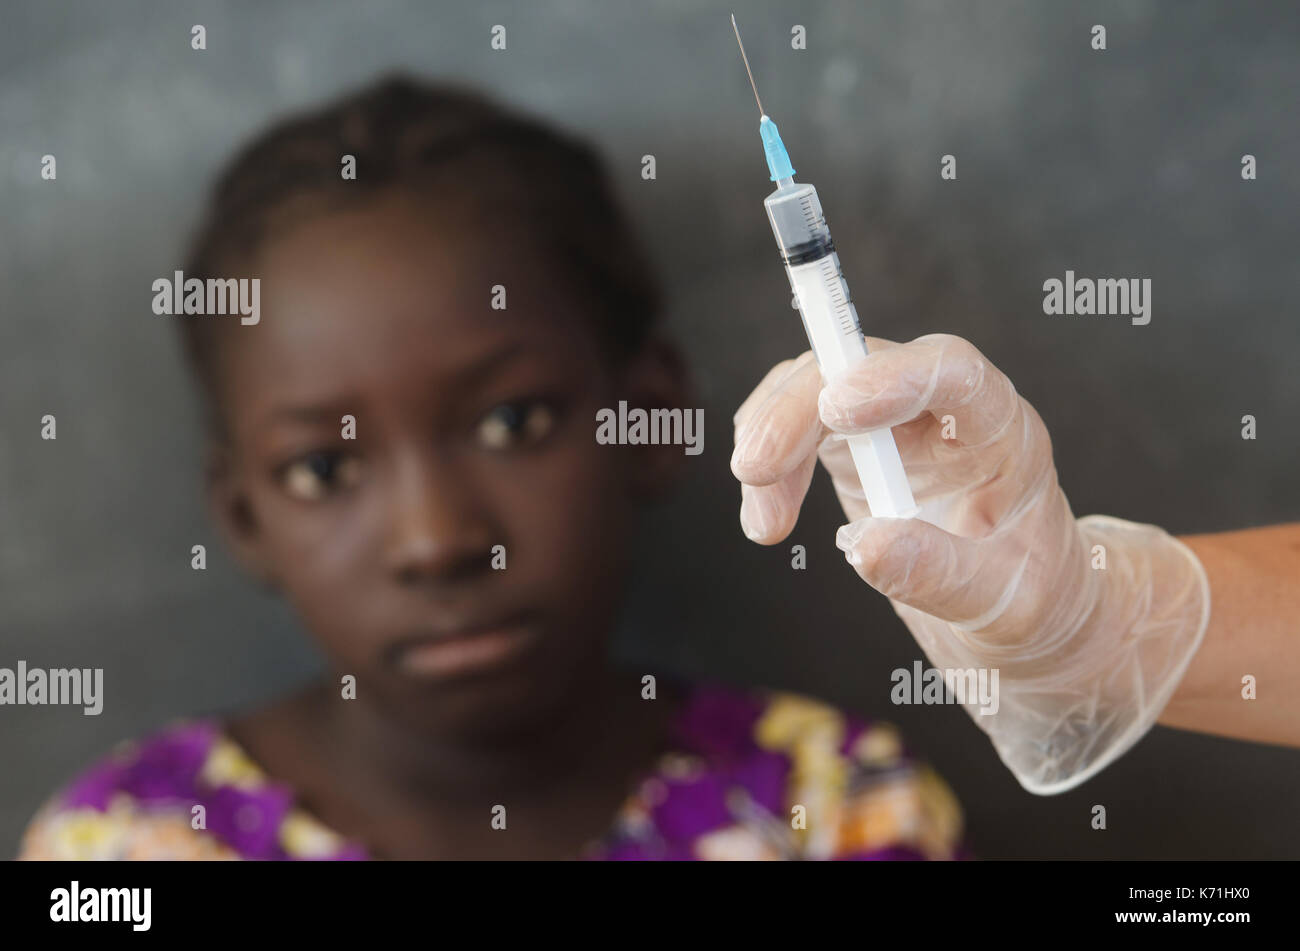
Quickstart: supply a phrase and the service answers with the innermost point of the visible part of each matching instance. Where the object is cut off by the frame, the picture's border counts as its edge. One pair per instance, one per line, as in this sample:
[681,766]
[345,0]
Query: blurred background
[1122,163]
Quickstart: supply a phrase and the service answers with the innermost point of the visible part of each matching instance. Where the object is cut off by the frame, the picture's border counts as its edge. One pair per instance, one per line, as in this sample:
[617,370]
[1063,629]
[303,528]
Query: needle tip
[747,70]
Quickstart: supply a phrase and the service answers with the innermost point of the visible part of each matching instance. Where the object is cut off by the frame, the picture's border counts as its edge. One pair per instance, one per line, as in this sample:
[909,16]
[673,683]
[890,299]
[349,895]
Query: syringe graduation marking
[840,304]
[806,203]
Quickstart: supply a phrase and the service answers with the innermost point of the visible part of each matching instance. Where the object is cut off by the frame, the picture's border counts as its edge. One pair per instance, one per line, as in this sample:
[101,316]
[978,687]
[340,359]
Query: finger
[768,513]
[914,441]
[960,580]
[783,431]
[778,375]
[917,444]
[879,343]
[770,382]
[939,374]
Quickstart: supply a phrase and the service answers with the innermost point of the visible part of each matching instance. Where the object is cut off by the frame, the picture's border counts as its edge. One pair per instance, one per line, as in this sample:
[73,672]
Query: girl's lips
[475,652]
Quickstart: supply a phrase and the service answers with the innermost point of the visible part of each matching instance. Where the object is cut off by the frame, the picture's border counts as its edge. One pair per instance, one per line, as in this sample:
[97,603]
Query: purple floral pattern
[752,775]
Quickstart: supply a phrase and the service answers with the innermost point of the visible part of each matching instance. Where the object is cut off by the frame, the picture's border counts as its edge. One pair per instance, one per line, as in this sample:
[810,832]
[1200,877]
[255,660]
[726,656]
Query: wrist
[1102,687]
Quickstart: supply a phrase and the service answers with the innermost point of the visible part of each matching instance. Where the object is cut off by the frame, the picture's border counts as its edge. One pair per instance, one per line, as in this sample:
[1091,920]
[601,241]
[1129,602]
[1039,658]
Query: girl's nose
[436,526]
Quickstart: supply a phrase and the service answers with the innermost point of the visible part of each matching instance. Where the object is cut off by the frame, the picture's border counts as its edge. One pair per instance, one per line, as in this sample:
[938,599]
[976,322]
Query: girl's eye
[516,424]
[317,474]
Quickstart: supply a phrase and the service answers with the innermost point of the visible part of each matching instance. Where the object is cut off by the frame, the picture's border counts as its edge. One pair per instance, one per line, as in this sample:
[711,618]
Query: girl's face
[462,556]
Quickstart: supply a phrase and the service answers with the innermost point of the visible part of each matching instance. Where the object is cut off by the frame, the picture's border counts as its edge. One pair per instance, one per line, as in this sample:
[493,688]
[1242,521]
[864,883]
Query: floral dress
[752,774]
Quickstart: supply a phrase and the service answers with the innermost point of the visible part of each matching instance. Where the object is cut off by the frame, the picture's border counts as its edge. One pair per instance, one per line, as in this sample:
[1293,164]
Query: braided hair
[409,133]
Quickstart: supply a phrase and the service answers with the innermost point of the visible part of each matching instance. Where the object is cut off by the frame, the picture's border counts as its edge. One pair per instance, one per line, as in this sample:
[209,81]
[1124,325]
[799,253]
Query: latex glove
[995,572]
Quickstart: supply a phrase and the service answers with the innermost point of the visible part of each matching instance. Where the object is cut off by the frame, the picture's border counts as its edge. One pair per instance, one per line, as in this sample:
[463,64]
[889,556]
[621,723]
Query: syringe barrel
[831,322]
[798,223]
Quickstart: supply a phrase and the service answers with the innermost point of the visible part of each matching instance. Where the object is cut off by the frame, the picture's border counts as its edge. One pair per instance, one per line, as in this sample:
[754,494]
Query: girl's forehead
[396,290]
[387,331]
[368,298]
[421,252]
[440,235]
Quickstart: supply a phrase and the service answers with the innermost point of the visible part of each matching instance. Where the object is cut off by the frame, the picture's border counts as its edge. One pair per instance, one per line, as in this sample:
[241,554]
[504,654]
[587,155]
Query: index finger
[936,374]
[782,431]
[774,378]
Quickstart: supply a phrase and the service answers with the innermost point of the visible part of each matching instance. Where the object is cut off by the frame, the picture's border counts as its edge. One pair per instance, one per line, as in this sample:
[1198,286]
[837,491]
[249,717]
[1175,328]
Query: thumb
[960,580]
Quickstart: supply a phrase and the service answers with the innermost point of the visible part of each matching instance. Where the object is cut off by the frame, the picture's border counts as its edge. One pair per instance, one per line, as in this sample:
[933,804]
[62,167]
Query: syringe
[829,317]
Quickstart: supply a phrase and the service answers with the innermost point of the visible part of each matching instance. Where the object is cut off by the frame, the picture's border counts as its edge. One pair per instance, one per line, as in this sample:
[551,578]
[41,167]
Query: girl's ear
[657,377]
[232,512]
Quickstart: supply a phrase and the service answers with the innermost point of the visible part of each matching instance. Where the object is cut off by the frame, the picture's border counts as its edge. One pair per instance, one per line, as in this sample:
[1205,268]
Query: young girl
[404,448]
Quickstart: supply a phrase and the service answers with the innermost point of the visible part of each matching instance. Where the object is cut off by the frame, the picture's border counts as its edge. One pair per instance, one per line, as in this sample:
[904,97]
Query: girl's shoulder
[762,773]
[186,791]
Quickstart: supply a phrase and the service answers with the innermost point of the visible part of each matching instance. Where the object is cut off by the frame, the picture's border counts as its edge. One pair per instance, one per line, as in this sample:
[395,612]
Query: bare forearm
[1254,632]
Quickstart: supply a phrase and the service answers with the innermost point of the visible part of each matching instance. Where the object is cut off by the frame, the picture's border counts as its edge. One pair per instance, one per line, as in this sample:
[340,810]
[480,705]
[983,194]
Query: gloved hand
[1089,622]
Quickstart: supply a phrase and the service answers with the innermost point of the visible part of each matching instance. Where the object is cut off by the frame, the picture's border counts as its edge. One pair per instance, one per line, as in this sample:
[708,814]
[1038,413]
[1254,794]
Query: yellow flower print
[789,717]
[304,837]
[228,765]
